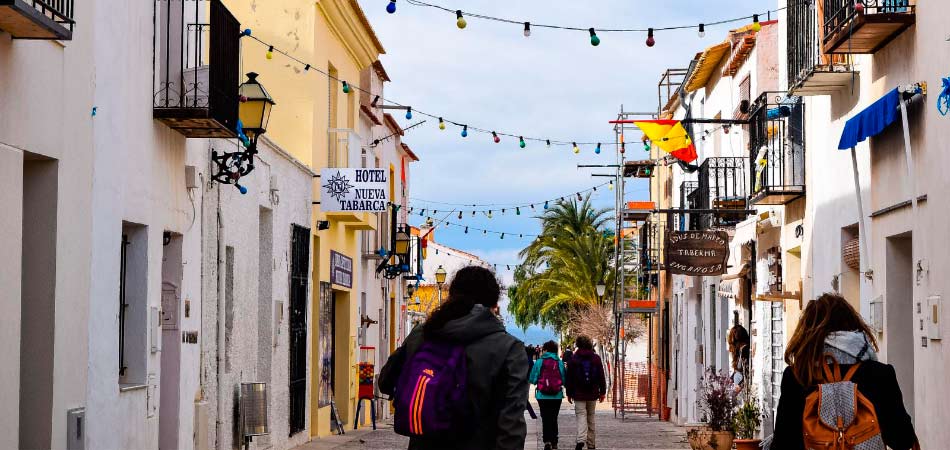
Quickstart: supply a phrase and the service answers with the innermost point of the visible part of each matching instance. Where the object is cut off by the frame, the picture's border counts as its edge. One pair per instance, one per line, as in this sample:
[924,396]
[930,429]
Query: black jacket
[497,381]
[578,388]
[875,380]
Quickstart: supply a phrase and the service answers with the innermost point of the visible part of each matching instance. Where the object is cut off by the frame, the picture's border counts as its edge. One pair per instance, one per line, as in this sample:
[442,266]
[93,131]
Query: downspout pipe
[222,266]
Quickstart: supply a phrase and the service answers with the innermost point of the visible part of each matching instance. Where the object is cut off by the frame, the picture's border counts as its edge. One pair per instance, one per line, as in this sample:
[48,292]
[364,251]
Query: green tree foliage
[563,266]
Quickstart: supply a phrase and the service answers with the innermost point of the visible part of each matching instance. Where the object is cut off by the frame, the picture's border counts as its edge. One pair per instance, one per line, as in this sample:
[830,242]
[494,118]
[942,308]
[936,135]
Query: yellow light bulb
[461,23]
[441,125]
[577,149]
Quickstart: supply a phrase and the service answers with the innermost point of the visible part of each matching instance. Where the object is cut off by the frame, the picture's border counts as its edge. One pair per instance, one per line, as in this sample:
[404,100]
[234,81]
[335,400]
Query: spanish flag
[671,137]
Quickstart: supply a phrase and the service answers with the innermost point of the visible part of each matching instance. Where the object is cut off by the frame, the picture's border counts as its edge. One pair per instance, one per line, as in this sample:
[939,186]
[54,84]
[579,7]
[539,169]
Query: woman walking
[833,376]
[586,385]
[460,381]
[548,375]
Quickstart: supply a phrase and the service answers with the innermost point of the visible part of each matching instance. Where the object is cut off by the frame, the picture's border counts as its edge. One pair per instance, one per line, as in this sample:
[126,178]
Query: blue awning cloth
[872,121]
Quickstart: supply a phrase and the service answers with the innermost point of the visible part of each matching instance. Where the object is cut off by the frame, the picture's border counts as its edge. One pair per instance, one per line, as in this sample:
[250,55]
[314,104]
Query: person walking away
[586,385]
[548,377]
[834,389]
[460,381]
[566,356]
[530,352]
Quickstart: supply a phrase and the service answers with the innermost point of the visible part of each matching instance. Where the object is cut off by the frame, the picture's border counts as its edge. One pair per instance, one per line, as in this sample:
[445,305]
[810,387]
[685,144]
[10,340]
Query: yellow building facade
[316,122]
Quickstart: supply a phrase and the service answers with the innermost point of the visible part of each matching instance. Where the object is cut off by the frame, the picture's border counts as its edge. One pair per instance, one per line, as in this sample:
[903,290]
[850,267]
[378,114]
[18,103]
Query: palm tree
[563,266]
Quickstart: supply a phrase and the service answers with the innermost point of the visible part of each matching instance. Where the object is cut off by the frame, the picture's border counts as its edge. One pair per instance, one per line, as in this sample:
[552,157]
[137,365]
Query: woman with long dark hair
[487,370]
[832,339]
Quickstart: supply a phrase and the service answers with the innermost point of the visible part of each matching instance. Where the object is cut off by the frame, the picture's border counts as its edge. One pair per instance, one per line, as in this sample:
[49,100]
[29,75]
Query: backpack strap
[832,372]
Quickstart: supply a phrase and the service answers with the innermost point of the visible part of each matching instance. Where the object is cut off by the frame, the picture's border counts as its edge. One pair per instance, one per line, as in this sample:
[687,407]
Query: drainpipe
[222,263]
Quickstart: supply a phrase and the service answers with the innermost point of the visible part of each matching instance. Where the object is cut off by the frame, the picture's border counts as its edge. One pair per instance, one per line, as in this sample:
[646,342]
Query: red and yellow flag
[671,137]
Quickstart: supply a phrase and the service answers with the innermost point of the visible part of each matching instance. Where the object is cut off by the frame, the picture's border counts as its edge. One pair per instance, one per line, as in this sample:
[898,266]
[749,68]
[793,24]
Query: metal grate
[299,269]
[723,187]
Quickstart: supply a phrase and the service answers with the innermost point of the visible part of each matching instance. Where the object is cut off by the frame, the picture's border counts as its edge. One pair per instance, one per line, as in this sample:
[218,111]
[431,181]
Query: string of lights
[486,231]
[503,208]
[466,129]
[468,257]
[700,28]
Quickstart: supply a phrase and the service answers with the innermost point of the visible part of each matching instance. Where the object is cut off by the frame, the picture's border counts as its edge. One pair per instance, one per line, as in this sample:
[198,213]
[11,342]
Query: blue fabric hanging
[870,122]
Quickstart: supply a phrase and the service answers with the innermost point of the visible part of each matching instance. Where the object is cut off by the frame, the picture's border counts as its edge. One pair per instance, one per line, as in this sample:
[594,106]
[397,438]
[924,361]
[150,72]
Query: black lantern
[255,108]
[402,242]
[440,275]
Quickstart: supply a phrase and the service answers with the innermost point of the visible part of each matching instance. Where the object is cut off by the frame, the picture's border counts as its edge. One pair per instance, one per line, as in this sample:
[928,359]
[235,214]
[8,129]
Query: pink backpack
[549,380]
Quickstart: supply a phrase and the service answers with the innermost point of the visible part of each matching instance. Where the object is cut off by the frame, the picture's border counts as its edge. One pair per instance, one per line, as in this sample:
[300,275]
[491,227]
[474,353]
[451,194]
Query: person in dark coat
[586,384]
[497,364]
[830,325]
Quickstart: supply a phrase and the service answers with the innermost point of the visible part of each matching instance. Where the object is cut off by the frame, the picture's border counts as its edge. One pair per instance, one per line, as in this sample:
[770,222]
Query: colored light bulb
[594,40]
[242,189]
[461,23]
[545,204]
[495,137]
[460,215]
[650,40]
[756,26]
[441,124]
[702,30]
[623,148]
[597,150]
[610,186]
[246,32]
[466,230]
[859,6]
[521,142]
[391,7]
[489,214]
[270,52]
[547,142]
[576,148]
[517,211]
[646,145]
[527,29]
[502,235]
[346,88]
[464,130]
[409,113]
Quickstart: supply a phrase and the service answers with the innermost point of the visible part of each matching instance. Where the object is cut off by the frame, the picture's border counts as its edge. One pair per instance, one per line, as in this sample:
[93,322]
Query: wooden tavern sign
[698,253]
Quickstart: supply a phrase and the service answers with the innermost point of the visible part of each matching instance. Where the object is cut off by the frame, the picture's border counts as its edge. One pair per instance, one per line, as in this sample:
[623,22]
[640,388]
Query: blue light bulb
[241,188]
[597,150]
[391,7]
[465,131]
[545,204]
[408,111]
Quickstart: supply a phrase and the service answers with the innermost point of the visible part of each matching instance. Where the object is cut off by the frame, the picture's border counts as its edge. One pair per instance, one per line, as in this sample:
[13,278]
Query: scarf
[850,347]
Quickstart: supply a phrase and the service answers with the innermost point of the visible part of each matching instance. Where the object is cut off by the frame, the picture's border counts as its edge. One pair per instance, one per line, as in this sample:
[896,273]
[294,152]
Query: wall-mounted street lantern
[253,116]
[440,275]
[402,241]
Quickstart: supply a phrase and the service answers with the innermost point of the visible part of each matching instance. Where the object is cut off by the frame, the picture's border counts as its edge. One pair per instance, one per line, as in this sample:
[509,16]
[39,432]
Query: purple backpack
[431,398]
[549,380]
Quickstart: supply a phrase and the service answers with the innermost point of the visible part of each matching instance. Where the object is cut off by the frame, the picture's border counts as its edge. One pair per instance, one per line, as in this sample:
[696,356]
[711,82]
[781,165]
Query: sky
[551,85]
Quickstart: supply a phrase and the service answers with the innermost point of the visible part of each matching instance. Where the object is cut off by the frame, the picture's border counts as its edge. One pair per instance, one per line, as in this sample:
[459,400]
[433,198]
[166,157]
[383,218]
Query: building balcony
[721,194]
[37,19]
[685,221]
[777,145]
[849,31]
[810,70]
[197,70]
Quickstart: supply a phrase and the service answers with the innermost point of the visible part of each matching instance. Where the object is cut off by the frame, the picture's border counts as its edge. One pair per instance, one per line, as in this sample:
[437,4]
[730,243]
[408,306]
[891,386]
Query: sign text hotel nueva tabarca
[358,190]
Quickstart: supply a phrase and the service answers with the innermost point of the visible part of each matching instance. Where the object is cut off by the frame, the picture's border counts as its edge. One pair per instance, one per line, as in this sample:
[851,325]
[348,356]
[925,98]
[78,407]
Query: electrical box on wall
[932,317]
[191,177]
[75,429]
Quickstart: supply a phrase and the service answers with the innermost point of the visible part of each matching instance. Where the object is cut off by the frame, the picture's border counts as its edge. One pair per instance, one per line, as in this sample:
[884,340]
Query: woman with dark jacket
[496,364]
[830,325]
[586,384]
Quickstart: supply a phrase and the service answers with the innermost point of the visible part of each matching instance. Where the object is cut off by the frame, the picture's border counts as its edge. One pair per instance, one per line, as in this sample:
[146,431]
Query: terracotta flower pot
[747,444]
[703,438]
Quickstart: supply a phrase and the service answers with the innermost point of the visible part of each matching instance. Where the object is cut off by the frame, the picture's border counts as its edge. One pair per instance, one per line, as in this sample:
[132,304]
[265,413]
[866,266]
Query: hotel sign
[357,190]
[698,253]
[341,269]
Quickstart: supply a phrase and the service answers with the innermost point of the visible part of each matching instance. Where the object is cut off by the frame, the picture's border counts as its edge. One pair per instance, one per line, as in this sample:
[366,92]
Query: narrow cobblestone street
[634,433]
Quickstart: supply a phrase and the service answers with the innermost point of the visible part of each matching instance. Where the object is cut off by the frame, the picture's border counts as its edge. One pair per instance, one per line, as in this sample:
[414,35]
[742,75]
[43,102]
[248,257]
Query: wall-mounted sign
[698,253]
[361,190]
[341,269]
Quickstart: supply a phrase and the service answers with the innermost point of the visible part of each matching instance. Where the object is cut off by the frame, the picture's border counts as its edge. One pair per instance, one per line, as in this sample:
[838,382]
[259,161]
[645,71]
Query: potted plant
[717,402]
[746,424]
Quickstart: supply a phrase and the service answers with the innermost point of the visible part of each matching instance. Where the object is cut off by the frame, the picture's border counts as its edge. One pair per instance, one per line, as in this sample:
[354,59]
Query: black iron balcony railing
[685,221]
[777,149]
[810,70]
[850,30]
[197,69]
[722,187]
[37,19]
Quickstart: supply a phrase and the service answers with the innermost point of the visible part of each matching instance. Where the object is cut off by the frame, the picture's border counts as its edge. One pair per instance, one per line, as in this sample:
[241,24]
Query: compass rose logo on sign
[338,186]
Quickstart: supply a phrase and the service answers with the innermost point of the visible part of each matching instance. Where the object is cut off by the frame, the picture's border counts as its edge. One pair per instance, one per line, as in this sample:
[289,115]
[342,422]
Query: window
[133,304]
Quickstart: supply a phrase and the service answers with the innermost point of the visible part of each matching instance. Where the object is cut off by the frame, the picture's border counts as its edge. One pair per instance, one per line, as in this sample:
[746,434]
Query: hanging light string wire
[496,206]
[453,11]
[309,67]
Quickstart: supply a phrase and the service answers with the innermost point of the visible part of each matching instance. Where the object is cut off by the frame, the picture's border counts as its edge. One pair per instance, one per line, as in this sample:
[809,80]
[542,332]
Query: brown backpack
[838,417]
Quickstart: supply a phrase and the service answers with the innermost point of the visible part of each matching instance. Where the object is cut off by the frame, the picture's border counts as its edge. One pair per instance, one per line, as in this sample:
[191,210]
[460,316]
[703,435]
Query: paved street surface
[635,433]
